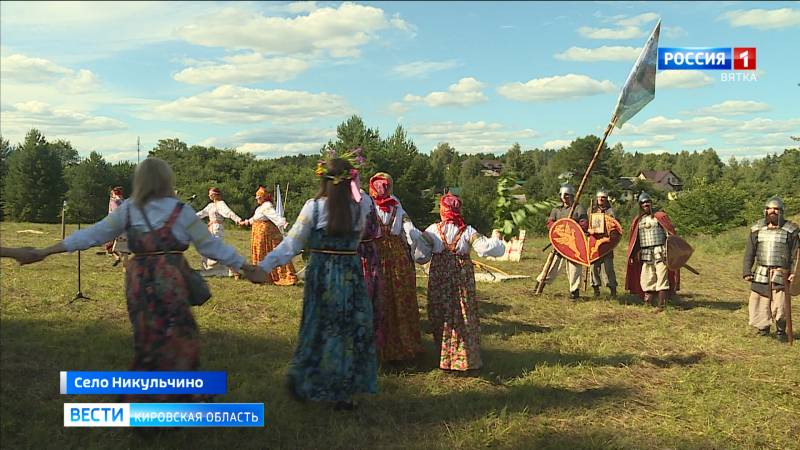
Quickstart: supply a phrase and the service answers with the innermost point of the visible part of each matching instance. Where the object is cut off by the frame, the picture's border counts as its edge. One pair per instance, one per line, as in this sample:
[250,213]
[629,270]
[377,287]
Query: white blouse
[296,239]
[402,225]
[483,245]
[217,212]
[187,228]
[266,211]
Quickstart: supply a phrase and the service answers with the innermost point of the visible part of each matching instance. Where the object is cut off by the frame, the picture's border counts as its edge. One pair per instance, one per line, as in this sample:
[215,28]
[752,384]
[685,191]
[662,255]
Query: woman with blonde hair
[266,234]
[159,229]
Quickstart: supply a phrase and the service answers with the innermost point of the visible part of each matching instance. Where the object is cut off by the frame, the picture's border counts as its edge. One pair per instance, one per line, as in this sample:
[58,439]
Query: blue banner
[143,383]
[163,414]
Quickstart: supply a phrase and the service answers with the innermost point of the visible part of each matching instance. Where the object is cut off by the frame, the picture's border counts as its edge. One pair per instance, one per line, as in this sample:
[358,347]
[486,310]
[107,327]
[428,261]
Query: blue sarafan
[640,87]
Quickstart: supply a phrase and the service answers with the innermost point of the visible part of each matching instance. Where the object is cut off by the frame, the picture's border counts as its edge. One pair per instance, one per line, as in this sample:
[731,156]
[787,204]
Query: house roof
[658,176]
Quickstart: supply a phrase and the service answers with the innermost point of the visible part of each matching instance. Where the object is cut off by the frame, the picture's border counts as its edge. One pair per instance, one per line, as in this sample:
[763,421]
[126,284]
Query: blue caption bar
[163,414]
[143,383]
[695,58]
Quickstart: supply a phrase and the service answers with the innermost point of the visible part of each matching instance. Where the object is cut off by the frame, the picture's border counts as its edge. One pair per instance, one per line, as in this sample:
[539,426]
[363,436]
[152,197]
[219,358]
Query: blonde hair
[153,179]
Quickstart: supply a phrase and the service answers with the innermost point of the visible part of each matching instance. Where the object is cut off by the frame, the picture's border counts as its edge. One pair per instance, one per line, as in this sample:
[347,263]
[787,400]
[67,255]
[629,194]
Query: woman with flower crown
[402,340]
[266,235]
[452,303]
[335,356]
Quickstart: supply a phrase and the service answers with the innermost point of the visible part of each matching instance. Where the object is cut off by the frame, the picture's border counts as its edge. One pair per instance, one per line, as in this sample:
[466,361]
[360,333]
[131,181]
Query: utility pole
[137,149]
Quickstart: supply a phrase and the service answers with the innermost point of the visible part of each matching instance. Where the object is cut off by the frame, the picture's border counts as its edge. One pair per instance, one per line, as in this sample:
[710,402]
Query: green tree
[709,208]
[34,186]
[89,183]
[5,152]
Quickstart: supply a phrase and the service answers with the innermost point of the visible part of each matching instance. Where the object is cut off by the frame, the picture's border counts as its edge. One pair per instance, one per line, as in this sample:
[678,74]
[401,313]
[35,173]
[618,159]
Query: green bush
[709,208]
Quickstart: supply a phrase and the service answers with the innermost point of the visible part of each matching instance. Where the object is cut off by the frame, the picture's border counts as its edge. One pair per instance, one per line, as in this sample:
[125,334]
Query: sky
[276,78]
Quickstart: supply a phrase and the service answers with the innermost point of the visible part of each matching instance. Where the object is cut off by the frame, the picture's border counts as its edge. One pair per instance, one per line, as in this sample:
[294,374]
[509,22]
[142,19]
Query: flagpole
[592,163]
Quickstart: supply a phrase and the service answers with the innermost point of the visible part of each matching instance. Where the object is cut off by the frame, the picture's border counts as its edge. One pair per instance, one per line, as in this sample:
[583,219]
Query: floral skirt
[453,311]
[402,339]
[264,237]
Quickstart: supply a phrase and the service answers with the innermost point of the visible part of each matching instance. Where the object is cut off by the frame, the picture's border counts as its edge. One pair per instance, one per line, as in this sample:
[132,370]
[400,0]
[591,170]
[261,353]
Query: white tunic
[266,211]
[187,228]
[483,245]
[295,241]
[217,212]
[402,225]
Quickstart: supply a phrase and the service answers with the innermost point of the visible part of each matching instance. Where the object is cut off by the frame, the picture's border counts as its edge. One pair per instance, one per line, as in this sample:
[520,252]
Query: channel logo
[706,58]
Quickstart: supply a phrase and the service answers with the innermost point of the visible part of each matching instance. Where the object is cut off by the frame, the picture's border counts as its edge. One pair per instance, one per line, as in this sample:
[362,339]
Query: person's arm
[203,213]
[749,256]
[225,211]
[423,251]
[294,242]
[268,212]
[205,243]
[551,218]
[794,243]
[483,245]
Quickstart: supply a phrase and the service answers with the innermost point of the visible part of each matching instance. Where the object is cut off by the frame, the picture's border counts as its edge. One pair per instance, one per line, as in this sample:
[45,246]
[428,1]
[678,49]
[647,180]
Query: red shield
[602,244]
[569,241]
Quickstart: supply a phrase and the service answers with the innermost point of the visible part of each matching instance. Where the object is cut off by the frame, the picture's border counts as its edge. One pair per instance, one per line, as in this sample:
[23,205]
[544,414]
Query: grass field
[596,374]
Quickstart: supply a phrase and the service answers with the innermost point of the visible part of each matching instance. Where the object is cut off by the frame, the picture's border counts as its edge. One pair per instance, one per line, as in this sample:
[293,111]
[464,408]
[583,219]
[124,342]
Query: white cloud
[22,69]
[682,79]
[695,142]
[243,69]
[556,144]
[604,53]
[735,108]
[466,92]
[636,21]
[17,119]
[399,108]
[708,125]
[339,32]
[420,69]
[301,7]
[611,33]
[674,32]
[234,104]
[470,137]
[764,19]
[555,88]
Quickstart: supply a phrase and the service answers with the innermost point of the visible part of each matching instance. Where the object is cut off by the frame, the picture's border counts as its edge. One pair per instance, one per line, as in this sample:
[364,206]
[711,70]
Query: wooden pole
[592,163]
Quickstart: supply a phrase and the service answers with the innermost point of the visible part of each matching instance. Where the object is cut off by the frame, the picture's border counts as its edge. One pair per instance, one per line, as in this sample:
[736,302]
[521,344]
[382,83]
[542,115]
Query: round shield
[678,252]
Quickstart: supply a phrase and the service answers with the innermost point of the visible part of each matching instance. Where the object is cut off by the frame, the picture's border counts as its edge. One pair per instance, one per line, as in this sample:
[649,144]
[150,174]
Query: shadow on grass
[501,366]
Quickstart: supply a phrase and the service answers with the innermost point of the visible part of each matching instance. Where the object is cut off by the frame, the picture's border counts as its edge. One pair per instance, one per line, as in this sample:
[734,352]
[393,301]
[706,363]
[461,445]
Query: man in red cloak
[647,272]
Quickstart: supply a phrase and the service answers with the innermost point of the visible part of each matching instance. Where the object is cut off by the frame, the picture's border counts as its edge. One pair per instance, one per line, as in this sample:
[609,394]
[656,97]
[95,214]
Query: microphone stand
[79,295]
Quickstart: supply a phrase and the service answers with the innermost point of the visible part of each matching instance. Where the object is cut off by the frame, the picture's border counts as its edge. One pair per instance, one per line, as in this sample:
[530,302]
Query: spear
[638,91]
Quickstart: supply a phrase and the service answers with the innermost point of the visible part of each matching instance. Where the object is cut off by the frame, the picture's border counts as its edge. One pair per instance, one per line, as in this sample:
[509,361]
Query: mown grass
[596,374]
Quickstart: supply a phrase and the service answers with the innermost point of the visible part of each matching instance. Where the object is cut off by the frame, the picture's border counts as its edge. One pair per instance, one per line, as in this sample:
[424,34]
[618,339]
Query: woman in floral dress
[159,230]
[452,303]
[335,355]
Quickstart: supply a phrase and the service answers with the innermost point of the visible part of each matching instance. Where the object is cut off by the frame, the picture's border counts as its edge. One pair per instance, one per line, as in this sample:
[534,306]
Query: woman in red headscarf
[266,235]
[452,304]
[402,339]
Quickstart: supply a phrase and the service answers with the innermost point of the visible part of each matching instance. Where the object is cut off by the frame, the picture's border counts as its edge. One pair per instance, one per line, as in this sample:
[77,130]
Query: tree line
[36,175]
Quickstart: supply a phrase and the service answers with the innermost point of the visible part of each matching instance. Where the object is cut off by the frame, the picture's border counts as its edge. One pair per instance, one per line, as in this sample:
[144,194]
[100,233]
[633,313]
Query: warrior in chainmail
[771,248]
[606,263]
[647,272]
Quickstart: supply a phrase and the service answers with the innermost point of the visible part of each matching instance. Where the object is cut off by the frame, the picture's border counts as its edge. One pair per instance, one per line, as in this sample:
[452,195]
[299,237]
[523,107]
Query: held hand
[254,273]
[790,278]
[748,278]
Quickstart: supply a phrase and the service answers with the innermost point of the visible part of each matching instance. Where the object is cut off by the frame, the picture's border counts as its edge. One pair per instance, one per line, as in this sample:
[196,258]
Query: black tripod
[79,295]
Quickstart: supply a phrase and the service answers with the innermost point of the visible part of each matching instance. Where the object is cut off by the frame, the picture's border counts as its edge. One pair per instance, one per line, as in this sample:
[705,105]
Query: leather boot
[662,300]
[613,291]
[648,298]
[575,295]
[780,331]
[596,291]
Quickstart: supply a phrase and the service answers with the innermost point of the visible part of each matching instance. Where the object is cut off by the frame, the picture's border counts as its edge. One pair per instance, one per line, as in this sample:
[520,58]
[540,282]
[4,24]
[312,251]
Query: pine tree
[34,186]
[89,183]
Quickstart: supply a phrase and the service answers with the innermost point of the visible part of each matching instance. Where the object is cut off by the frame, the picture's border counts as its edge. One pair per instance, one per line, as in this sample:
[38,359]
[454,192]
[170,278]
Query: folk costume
[118,248]
[402,338]
[768,262]
[216,211]
[265,235]
[452,302]
[335,356]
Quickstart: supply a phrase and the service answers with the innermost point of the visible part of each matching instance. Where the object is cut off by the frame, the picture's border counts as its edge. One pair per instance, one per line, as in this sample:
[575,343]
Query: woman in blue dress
[335,356]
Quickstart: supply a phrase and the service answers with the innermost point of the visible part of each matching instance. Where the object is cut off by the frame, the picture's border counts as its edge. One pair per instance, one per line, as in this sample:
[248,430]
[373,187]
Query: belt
[364,241]
[334,252]
[145,254]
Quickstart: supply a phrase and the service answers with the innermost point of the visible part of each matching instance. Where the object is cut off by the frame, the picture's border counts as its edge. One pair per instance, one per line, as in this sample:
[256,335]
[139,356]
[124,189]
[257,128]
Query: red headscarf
[214,190]
[450,210]
[380,189]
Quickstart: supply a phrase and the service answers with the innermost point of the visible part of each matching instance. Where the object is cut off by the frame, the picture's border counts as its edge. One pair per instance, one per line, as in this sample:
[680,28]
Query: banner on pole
[640,87]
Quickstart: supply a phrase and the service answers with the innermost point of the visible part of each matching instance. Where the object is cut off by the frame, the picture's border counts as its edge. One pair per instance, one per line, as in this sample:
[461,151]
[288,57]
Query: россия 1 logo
[710,58]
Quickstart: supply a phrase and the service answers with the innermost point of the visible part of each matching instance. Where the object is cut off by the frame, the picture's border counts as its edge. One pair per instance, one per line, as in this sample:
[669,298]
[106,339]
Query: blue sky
[277,78]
